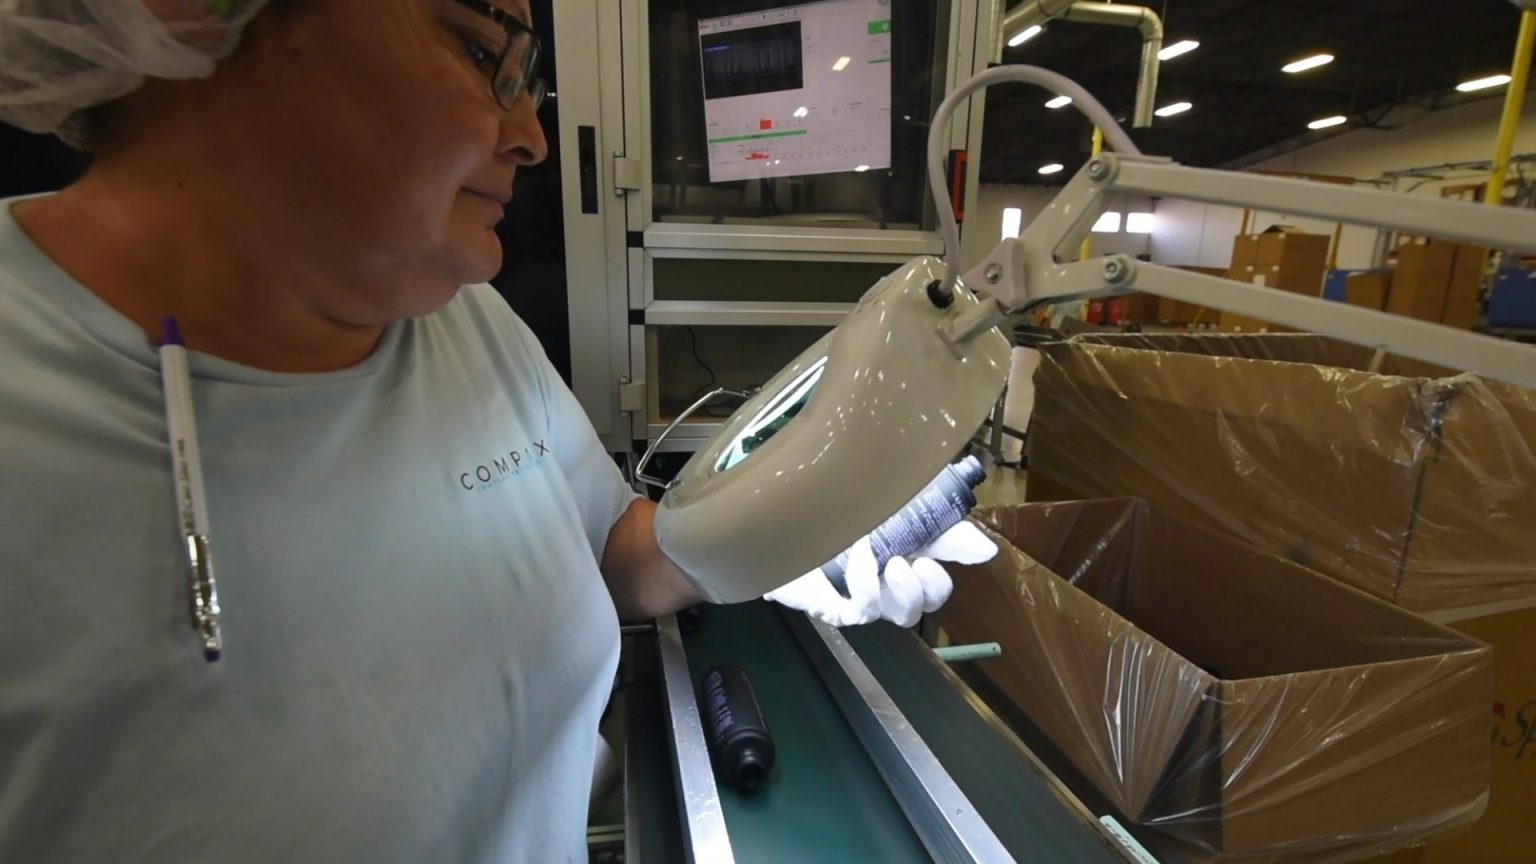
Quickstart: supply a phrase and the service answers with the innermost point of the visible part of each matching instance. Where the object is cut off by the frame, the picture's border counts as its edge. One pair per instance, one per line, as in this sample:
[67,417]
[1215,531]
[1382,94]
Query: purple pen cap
[170,332]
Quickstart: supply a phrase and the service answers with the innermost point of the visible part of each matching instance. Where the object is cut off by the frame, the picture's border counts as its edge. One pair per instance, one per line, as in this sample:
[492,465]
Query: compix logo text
[490,473]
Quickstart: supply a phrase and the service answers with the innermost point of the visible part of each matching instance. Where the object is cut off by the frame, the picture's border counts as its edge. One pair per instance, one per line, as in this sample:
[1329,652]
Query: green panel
[825,802]
[755,136]
[878,27]
[765,281]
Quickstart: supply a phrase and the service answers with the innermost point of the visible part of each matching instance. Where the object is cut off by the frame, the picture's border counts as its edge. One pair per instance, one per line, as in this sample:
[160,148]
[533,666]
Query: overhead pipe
[1032,12]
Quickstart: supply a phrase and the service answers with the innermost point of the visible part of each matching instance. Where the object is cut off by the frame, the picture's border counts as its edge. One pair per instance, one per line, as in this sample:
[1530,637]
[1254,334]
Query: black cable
[693,348]
[712,410]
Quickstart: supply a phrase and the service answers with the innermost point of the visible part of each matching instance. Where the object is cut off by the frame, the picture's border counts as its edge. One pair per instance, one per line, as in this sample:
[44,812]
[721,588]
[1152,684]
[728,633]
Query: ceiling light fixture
[1178,49]
[1025,35]
[1483,83]
[1306,63]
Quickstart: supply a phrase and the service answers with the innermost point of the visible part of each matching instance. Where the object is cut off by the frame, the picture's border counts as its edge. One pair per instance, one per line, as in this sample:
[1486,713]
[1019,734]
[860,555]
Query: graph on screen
[797,90]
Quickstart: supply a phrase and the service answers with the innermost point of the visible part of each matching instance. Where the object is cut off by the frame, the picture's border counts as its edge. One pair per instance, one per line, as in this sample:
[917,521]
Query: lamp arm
[949,228]
[1022,273]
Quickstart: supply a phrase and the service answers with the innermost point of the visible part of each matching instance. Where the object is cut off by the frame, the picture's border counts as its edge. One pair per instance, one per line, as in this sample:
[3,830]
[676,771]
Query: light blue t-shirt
[418,643]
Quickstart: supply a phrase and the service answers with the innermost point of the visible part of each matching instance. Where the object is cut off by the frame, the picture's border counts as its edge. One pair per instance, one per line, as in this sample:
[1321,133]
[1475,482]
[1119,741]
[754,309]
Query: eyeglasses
[512,68]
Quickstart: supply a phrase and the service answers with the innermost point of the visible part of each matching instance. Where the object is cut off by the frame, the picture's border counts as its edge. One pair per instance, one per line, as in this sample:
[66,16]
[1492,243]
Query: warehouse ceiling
[1394,59]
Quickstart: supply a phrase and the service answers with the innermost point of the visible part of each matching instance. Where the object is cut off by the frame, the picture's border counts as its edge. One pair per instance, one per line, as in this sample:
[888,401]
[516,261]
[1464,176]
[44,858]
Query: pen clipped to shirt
[191,501]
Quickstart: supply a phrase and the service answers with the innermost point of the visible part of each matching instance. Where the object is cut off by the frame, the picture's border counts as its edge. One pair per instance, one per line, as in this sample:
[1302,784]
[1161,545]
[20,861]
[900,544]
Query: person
[421,549]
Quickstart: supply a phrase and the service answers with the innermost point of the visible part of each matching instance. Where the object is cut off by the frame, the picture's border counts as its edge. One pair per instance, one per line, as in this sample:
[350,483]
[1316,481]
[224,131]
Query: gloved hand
[900,595]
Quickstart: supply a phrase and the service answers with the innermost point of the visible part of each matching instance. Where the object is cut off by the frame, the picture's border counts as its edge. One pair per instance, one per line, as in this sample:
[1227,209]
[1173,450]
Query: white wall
[984,221]
[1464,133]
[1189,233]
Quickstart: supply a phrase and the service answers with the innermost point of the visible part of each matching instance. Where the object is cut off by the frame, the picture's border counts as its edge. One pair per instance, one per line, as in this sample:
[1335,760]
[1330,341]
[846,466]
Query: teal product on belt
[963,653]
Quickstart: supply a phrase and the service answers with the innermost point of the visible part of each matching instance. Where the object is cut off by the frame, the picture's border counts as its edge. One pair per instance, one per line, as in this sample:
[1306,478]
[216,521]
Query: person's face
[376,136]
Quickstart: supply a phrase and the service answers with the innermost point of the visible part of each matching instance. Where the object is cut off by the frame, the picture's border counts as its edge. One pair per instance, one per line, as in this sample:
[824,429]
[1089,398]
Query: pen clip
[203,596]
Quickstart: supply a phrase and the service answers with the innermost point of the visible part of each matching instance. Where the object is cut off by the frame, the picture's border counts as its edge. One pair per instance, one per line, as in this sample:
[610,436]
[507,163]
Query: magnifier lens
[774,416]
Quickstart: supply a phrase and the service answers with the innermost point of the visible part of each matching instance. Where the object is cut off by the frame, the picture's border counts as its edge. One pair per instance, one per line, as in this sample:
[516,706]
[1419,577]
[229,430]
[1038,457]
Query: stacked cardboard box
[1233,705]
[1368,288]
[1281,258]
[1438,281]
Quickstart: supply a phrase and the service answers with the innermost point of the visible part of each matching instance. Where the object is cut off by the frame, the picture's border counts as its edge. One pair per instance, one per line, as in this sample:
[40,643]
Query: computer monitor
[797,90]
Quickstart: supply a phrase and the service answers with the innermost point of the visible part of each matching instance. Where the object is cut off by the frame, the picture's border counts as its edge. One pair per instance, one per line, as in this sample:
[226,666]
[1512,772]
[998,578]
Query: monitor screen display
[797,90]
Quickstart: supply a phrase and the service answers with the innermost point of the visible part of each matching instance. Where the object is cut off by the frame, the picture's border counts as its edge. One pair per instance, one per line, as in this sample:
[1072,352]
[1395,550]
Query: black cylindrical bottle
[738,735]
[937,508]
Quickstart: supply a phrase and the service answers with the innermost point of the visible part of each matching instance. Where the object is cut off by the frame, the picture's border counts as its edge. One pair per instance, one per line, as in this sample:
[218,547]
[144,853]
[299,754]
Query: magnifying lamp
[848,433]
[845,435]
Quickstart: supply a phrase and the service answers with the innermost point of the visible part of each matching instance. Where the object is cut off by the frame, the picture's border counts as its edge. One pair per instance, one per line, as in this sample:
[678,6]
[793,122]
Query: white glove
[900,595]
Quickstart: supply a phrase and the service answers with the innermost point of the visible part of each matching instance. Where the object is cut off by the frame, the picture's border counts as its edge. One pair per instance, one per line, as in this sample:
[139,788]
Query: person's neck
[151,248]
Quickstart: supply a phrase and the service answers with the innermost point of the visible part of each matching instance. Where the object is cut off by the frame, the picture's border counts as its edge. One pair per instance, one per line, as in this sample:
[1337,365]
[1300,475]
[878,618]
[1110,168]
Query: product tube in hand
[939,507]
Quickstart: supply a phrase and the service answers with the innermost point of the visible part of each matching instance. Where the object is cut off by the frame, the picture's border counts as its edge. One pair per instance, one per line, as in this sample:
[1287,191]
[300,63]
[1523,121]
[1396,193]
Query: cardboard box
[1297,275]
[1506,833]
[1408,482]
[1368,288]
[1142,307]
[1422,279]
[1290,249]
[1465,286]
[1253,274]
[1245,250]
[1232,701]
[1274,276]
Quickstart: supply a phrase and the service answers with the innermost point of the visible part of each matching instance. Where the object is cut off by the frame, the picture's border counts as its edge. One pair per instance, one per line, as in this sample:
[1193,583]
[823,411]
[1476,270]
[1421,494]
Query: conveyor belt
[827,800]
[1034,816]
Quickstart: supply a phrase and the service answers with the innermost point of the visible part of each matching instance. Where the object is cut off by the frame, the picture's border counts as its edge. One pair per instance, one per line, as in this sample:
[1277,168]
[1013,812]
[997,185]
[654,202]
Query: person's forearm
[643,581]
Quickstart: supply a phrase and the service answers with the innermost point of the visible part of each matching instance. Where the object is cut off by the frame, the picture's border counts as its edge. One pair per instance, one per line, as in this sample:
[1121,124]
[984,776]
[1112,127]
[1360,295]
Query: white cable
[949,229]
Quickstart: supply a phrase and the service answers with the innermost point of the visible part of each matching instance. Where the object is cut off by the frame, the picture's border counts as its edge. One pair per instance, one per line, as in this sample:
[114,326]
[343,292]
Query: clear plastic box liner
[1406,480]
[1234,705]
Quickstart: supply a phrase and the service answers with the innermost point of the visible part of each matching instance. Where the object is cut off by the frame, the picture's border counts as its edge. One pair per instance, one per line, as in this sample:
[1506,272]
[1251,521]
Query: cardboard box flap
[1081,692]
[1474,533]
[1233,700]
[1409,481]
[1189,430]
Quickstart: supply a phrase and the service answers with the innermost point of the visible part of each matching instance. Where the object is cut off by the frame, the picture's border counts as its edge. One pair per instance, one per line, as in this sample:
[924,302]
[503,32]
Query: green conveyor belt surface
[825,801]
[1016,801]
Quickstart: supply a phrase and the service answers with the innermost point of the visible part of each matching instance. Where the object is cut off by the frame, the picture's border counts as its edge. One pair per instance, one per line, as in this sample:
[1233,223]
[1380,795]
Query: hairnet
[61,57]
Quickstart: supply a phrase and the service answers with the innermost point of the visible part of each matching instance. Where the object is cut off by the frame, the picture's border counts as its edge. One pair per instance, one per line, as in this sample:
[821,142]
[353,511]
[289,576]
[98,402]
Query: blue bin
[1513,302]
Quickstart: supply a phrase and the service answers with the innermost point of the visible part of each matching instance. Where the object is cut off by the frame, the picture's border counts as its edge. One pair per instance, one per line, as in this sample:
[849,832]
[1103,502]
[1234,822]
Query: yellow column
[1514,98]
[1098,147]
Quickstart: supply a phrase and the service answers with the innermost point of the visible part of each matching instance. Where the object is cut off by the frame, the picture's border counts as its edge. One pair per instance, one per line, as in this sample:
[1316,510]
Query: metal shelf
[709,313]
[847,243]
